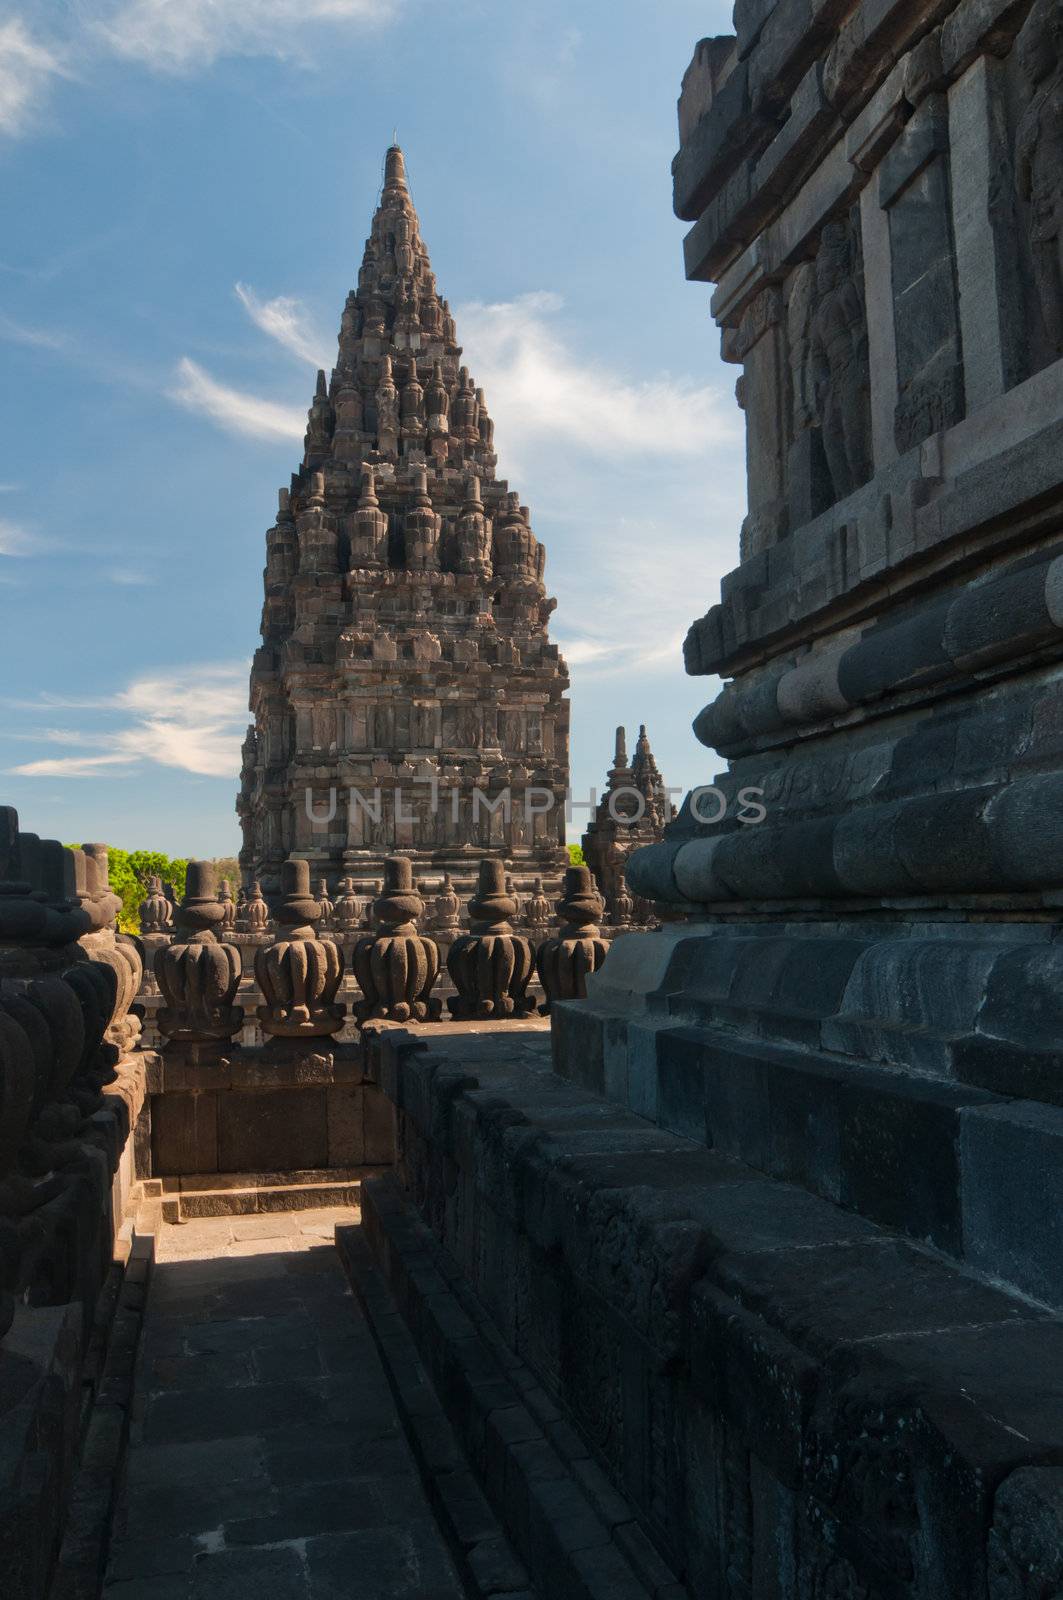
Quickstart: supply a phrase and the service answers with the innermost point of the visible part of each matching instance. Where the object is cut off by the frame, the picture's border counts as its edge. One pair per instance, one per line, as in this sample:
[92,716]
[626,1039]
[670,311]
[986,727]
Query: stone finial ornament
[396,966]
[197,974]
[538,911]
[348,910]
[256,911]
[369,534]
[228,905]
[622,909]
[491,965]
[564,961]
[108,947]
[156,910]
[319,423]
[437,400]
[156,929]
[446,908]
[422,527]
[387,406]
[473,533]
[299,974]
[326,908]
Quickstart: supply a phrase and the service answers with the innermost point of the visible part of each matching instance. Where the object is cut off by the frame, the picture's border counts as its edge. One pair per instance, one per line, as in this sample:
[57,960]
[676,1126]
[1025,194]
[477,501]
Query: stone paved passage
[266,1459]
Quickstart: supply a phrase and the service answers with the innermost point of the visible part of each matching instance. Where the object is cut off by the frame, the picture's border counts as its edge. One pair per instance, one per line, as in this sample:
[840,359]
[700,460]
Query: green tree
[576,857]
[129,871]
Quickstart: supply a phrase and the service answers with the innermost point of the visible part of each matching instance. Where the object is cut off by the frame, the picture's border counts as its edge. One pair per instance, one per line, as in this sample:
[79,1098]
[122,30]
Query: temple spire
[645,769]
[407,551]
[395,171]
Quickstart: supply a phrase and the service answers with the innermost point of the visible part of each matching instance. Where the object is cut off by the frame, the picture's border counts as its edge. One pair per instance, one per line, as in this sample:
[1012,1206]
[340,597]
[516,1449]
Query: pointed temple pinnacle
[395,170]
[620,755]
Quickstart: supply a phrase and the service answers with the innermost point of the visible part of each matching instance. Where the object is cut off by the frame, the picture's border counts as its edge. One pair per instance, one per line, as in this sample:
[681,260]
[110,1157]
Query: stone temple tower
[406,696]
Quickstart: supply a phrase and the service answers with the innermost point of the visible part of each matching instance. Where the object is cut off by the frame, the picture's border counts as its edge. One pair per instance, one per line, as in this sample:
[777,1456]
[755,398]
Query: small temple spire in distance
[631,813]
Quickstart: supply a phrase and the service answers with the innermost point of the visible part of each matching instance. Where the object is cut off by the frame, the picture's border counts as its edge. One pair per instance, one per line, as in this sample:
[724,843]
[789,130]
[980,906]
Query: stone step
[218,1194]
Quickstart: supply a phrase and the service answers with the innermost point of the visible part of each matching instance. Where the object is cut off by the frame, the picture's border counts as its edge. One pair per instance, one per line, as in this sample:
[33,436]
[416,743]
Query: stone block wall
[265,1111]
[788,1400]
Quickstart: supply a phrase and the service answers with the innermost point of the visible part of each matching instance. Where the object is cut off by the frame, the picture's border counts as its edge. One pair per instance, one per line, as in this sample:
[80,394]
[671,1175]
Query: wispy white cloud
[538,389]
[74,767]
[580,652]
[15,540]
[19,333]
[183,35]
[627,598]
[288,321]
[191,719]
[234,409]
[27,68]
[129,577]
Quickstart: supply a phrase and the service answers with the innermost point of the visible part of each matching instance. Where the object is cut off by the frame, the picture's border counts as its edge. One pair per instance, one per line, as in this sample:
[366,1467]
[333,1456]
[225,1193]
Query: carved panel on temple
[827,380]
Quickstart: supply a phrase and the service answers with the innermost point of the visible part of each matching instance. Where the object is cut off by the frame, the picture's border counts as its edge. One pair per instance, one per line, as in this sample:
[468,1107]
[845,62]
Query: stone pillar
[881,334]
[985,225]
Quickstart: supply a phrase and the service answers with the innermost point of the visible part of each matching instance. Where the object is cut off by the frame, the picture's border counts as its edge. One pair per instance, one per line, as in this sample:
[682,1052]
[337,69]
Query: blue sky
[187,186]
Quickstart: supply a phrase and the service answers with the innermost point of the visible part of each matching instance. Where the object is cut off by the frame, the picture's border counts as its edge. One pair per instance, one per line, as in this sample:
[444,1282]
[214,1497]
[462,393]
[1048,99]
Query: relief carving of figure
[798,319]
[1039,157]
[838,362]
